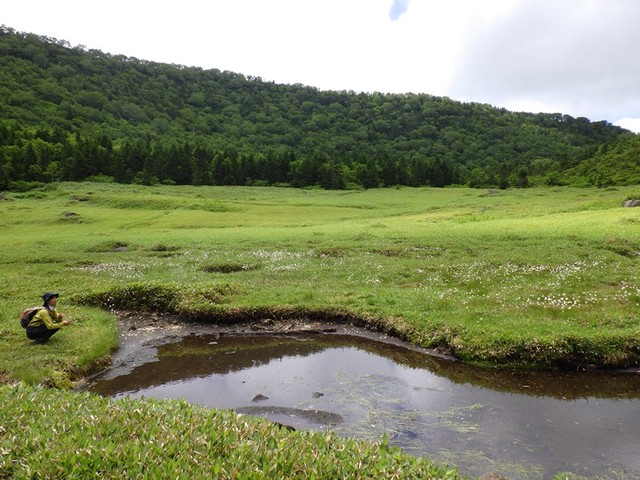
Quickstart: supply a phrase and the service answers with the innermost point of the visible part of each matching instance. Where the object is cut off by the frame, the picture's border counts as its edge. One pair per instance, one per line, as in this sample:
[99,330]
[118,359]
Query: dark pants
[40,334]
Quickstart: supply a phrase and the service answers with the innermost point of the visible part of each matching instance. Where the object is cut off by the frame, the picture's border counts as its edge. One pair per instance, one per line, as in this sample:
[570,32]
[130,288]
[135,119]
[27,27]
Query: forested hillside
[68,113]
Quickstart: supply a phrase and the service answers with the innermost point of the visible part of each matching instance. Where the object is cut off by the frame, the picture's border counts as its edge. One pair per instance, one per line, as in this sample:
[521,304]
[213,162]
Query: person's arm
[45,318]
[60,319]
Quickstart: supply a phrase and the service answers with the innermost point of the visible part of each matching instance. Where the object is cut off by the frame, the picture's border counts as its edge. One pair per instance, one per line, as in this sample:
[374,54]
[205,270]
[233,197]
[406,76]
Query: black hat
[48,296]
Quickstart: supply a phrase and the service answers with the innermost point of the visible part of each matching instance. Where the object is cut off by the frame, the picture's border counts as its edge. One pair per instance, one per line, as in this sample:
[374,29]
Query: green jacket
[48,318]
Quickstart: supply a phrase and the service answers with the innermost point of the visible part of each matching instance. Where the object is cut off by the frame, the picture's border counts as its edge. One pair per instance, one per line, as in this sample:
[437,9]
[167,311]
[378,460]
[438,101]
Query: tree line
[68,113]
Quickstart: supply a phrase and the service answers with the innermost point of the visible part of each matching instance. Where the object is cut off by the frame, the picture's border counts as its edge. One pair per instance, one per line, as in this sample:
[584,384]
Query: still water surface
[518,424]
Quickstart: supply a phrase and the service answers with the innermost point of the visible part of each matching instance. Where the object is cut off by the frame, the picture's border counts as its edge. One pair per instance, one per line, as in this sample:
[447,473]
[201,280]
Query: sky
[576,57]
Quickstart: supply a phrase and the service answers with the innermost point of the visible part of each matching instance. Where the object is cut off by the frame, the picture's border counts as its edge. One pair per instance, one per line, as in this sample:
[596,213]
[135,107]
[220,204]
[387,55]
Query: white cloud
[575,56]
[632,124]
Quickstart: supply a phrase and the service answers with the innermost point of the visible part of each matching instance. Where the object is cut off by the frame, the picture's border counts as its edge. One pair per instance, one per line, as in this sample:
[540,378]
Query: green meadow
[544,278]
[531,278]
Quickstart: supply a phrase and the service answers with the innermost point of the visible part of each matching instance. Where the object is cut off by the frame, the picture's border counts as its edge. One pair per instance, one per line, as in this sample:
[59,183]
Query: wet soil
[142,333]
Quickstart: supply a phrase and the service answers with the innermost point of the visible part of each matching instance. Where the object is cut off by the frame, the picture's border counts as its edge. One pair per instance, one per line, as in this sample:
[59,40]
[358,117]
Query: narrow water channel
[517,424]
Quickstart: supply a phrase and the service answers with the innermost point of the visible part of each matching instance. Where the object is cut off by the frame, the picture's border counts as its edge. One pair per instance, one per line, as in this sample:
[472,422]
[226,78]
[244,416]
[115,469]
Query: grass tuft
[110,246]
[230,267]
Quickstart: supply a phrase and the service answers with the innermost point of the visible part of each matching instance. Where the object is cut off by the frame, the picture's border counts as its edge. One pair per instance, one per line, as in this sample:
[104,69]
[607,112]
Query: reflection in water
[519,424]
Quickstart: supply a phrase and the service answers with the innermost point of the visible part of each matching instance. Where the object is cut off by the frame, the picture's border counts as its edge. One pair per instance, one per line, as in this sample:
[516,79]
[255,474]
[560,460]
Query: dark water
[518,424]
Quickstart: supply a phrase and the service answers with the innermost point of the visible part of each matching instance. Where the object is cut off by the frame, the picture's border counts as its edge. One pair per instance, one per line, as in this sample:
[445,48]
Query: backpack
[28,314]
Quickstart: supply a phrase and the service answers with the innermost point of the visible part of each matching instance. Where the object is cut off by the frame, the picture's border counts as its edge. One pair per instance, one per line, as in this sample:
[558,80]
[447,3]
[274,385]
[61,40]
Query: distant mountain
[71,114]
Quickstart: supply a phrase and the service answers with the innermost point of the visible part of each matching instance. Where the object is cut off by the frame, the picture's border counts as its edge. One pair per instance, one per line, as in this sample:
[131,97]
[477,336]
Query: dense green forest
[68,113]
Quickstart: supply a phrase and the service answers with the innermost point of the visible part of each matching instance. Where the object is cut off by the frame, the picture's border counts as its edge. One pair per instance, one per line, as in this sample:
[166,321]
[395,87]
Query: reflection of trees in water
[201,356]
[560,385]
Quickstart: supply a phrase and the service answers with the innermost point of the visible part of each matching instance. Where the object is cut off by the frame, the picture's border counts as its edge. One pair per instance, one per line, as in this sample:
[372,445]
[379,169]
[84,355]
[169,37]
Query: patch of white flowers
[277,255]
[627,289]
[366,272]
[125,270]
[478,271]
[562,301]
[449,282]
[280,260]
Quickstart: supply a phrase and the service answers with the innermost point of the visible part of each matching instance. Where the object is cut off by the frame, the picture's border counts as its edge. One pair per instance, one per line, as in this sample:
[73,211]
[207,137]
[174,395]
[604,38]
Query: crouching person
[47,321]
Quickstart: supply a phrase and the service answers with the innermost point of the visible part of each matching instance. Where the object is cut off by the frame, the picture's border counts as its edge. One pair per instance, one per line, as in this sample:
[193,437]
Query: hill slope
[68,113]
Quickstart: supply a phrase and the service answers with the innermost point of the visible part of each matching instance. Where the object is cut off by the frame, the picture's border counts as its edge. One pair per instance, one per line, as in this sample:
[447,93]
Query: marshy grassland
[533,278]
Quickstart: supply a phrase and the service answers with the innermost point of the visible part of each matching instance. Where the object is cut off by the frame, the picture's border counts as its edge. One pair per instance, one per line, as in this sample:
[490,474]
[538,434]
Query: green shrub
[24,186]
[186,300]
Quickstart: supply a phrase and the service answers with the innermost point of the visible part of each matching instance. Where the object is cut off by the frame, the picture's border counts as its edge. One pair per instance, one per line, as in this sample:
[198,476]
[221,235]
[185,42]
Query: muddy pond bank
[142,333]
[365,384]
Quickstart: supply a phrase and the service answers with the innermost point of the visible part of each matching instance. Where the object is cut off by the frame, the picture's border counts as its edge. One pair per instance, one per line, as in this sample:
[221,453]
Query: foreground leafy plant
[61,434]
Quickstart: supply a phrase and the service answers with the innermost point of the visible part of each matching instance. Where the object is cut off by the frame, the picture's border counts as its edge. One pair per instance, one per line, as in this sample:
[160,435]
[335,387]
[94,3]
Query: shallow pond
[518,424]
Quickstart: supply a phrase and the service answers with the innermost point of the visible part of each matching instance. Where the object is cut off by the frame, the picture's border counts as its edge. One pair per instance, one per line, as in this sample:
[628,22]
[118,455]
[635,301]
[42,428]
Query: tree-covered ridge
[613,164]
[70,113]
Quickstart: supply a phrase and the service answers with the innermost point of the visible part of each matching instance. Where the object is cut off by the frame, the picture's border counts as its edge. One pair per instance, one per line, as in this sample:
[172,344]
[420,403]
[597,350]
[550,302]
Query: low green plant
[61,434]
[160,298]
[109,246]
[229,267]
[24,186]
